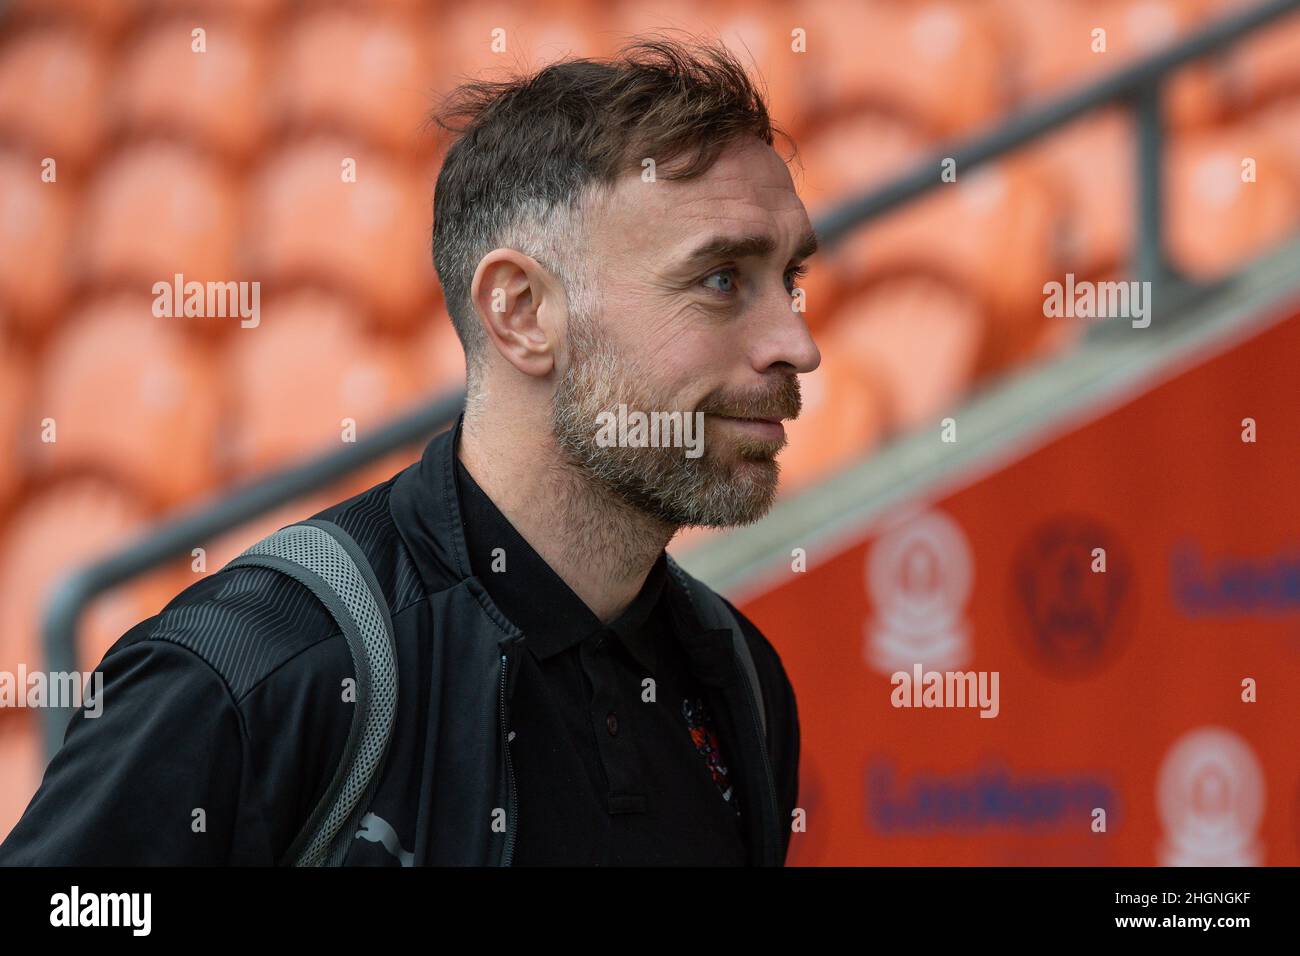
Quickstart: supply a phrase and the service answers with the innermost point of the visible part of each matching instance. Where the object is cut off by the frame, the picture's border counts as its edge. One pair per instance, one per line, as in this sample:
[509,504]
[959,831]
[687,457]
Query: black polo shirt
[616,754]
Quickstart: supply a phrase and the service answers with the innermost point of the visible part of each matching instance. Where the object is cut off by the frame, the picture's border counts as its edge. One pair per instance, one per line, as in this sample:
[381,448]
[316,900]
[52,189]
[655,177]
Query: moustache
[780,404]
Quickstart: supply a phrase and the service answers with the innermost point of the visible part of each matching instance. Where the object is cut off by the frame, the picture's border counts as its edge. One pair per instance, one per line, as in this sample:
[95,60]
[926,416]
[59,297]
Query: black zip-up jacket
[224,716]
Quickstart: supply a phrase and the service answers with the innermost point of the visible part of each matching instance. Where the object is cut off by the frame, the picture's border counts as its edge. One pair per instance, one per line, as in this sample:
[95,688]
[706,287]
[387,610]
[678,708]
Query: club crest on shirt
[700,723]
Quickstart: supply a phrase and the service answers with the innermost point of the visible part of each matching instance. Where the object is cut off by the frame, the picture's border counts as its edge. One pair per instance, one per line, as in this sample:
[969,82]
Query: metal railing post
[1150,258]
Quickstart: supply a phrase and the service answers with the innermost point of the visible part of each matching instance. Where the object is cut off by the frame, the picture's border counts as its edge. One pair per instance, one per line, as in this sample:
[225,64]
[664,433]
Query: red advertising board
[1134,584]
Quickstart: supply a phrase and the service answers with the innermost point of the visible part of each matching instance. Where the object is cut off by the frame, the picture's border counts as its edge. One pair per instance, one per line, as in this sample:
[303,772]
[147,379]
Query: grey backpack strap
[714,613]
[324,558]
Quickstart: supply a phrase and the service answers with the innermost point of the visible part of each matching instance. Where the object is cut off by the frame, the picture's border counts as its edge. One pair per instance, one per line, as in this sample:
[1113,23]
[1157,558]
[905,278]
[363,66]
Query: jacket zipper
[512,800]
[768,785]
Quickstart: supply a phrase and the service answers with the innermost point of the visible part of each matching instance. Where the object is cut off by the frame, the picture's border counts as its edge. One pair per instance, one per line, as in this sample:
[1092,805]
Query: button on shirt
[615,750]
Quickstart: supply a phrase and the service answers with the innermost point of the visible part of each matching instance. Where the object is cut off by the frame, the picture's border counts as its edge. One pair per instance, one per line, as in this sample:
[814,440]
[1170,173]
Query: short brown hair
[530,148]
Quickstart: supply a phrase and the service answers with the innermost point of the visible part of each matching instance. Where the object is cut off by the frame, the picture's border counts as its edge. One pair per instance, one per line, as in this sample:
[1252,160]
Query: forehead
[748,190]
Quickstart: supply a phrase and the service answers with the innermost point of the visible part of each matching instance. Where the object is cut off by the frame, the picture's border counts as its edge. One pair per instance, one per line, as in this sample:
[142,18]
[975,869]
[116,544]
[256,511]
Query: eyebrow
[740,247]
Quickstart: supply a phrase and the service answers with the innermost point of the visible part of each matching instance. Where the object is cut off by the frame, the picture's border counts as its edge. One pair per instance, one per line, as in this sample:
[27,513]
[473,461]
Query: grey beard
[661,483]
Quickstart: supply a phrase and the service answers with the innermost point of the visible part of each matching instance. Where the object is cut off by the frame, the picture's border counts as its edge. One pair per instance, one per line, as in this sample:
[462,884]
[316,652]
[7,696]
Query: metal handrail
[1139,85]
[178,535]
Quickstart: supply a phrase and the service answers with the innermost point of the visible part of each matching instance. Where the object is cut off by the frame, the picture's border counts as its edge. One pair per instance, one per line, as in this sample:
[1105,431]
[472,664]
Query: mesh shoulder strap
[714,613]
[324,558]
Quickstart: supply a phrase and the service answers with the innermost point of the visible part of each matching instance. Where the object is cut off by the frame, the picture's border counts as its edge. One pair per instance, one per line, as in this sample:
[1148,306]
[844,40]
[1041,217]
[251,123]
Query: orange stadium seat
[842,418]
[1265,65]
[35,228]
[492,38]
[439,356]
[1092,166]
[1280,121]
[370,236]
[1046,44]
[628,17]
[15,415]
[761,36]
[852,155]
[841,161]
[23,760]
[918,337]
[963,233]
[1218,221]
[252,11]
[758,32]
[51,82]
[1061,334]
[310,337]
[106,21]
[217,98]
[133,397]
[350,70]
[158,209]
[822,287]
[935,62]
[1053,43]
[62,528]
[438,366]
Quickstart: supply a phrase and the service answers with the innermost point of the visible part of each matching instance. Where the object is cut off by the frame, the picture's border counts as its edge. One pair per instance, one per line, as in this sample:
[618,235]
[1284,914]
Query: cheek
[673,356]
[699,367]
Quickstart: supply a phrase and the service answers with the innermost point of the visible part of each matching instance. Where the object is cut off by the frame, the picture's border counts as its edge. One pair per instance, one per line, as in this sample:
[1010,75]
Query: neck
[600,546]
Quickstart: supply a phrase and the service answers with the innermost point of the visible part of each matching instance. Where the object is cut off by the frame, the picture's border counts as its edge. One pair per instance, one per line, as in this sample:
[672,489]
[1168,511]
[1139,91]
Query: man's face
[691,320]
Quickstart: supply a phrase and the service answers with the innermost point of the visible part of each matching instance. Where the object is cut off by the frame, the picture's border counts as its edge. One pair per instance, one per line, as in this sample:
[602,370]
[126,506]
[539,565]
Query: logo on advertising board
[1075,589]
[919,575]
[990,796]
[1210,795]
[1259,585]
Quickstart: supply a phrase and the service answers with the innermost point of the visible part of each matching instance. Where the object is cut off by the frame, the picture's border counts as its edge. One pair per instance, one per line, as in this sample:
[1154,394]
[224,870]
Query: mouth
[769,428]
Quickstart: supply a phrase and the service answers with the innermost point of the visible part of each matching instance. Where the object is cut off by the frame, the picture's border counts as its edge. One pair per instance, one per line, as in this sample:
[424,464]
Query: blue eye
[730,285]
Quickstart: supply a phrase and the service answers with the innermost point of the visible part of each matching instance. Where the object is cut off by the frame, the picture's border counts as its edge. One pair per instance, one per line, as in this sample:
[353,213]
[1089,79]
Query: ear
[515,298]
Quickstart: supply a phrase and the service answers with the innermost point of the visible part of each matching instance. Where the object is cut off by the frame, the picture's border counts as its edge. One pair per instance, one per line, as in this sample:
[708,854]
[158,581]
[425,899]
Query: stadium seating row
[288,152]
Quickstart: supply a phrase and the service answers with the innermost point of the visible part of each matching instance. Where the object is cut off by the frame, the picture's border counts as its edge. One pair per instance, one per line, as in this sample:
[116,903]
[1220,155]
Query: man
[607,234]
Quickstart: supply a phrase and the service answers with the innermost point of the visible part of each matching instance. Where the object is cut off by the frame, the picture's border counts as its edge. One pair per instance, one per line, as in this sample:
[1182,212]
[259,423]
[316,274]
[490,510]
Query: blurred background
[962,454]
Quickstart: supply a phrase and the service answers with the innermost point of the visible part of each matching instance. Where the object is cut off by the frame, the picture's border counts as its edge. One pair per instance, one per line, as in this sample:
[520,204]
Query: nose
[784,339]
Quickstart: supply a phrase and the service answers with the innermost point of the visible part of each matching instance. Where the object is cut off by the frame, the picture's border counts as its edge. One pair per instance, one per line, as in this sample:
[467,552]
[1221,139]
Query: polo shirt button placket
[617,750]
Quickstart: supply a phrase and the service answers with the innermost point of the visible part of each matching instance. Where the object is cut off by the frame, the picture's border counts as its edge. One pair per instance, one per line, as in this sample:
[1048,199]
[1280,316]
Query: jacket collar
[427,509]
